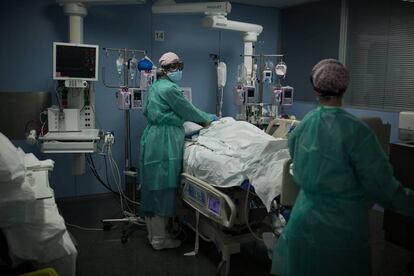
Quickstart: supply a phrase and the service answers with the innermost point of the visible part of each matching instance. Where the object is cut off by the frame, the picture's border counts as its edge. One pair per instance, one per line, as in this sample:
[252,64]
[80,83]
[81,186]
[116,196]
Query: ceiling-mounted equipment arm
[250,31]
[221,22]
[170,7]
[216,18]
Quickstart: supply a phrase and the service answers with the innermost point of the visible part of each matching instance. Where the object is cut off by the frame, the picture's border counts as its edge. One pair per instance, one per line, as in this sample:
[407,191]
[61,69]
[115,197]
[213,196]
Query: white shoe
[159,237]
[160,243]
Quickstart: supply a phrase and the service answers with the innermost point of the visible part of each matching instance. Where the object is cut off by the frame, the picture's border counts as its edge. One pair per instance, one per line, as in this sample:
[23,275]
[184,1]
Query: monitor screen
[196,194]
[137,95]
[288,93]
[214,205]
[75,61]
[250,92]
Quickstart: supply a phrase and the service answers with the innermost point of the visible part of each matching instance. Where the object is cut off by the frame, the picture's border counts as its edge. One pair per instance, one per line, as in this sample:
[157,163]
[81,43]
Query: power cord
[95,172]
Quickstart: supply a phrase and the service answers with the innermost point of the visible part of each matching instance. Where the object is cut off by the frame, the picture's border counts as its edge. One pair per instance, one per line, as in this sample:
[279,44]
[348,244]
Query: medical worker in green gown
[340,168]
[162,144]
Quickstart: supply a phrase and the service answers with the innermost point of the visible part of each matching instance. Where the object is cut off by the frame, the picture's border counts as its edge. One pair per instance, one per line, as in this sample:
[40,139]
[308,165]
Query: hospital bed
[228,216]
[222,215]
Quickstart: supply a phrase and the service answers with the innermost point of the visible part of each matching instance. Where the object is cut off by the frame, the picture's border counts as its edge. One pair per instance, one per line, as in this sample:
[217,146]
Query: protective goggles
[179,65]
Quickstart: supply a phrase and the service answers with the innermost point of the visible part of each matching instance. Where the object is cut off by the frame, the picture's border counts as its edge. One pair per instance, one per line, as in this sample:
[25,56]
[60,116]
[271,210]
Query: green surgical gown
[340,167]
[162,144]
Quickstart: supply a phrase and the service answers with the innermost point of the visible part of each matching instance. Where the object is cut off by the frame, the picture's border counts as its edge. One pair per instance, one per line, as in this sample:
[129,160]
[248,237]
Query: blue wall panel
[30,27]
[300,109]
[310,33]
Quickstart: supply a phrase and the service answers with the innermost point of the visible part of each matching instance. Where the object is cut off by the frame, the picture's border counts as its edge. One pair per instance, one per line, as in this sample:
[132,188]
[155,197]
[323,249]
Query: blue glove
[213,117]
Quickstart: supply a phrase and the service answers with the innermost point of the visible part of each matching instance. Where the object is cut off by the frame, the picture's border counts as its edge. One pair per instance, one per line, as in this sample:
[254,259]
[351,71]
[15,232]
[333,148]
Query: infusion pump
[130,98]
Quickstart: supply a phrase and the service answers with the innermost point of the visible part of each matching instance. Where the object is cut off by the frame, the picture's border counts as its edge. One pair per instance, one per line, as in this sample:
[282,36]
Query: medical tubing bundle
[91,165]
[94,170]
[221,89]
[43,123]
[247,216]
[117,176]
[106,152]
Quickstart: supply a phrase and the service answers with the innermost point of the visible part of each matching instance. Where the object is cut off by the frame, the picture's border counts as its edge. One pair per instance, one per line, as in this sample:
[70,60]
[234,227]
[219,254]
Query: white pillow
[191,128]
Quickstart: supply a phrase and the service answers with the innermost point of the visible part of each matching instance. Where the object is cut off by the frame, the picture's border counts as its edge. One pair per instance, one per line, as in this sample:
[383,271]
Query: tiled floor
[102,253]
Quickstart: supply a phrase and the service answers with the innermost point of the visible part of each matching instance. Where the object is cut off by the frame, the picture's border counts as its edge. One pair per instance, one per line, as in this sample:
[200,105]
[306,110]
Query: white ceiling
[272,3]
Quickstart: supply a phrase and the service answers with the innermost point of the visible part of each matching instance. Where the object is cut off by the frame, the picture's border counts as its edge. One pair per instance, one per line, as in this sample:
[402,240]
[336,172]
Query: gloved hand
[213,117]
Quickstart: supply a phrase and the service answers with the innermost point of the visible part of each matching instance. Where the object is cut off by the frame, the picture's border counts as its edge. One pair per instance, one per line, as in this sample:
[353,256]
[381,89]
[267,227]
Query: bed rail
[208,200]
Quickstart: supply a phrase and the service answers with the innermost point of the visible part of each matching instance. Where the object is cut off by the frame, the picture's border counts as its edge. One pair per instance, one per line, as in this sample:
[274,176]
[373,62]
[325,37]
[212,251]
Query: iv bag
[221,74]
[281,69]
[241,74]
[133,63]
[119,64]
[268,65]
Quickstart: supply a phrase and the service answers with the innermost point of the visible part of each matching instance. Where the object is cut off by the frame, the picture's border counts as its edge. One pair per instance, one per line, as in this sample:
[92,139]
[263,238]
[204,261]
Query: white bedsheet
[229,152]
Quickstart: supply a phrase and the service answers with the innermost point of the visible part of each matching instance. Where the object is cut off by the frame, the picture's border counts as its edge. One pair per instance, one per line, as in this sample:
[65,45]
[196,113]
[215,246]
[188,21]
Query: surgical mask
[175,76]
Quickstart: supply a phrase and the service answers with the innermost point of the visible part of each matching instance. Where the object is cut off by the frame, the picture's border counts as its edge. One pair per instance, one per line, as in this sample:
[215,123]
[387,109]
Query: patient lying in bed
[230,151]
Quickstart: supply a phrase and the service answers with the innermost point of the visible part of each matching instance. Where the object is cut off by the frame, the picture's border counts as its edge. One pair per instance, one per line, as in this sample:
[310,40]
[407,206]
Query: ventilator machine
[71,123]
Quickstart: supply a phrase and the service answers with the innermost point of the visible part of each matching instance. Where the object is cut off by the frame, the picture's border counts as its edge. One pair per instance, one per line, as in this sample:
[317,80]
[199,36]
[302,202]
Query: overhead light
[102,2]
[170,7]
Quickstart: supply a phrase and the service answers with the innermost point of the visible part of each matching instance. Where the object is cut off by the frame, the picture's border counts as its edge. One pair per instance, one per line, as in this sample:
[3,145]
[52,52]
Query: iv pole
[253,116]
[130,175]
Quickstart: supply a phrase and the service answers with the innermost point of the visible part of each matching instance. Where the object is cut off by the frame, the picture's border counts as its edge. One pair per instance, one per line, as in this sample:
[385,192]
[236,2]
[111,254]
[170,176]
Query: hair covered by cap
[330,75]
[168,58]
